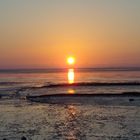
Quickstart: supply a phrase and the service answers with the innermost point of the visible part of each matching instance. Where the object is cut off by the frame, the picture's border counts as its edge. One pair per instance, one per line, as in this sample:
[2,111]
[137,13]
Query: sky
[43,33]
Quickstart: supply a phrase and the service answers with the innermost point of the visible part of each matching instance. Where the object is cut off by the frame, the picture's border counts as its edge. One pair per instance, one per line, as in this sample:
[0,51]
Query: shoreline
[128,98]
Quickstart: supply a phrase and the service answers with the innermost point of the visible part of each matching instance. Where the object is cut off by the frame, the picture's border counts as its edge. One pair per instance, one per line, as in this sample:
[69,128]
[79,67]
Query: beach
[68,122]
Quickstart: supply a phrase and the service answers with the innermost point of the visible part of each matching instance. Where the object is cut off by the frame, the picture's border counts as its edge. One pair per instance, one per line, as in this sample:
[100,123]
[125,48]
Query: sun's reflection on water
[71,76]
[71,91]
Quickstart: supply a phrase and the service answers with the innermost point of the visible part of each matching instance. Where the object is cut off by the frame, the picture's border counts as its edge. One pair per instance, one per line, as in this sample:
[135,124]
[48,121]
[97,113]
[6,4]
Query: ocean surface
[36,121]
[22,82]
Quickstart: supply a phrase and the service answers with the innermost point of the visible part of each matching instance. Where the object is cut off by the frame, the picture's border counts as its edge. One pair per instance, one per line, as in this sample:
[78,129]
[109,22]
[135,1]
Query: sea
[20,117]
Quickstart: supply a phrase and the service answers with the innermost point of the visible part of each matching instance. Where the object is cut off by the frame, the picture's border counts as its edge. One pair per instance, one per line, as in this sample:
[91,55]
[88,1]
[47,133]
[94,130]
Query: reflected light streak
[71,76]
[71,91]
[72,123]
[72,111]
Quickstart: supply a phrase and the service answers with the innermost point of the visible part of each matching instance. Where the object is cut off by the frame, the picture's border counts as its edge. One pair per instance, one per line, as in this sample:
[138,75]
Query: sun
[71,60]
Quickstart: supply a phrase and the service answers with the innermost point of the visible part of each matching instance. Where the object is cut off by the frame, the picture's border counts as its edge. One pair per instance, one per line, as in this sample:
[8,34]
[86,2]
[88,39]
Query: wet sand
[39,121]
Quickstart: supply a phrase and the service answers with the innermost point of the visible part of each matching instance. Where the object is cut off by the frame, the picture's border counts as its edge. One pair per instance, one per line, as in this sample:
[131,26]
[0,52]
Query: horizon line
[128,68]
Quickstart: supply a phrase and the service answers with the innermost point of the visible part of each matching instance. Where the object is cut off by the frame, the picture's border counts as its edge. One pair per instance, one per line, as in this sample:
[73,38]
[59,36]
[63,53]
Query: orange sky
[42,34]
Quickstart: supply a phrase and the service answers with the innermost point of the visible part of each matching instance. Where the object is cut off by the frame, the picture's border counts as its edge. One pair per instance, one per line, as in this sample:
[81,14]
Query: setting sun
[71,60]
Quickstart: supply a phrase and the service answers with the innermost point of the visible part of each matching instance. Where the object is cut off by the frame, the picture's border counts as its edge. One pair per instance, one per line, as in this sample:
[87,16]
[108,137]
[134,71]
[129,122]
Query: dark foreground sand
[39,121]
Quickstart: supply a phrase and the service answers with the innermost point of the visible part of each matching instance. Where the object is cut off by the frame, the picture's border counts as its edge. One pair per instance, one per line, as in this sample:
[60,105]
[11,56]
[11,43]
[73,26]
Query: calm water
[12,81]
[36,121]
